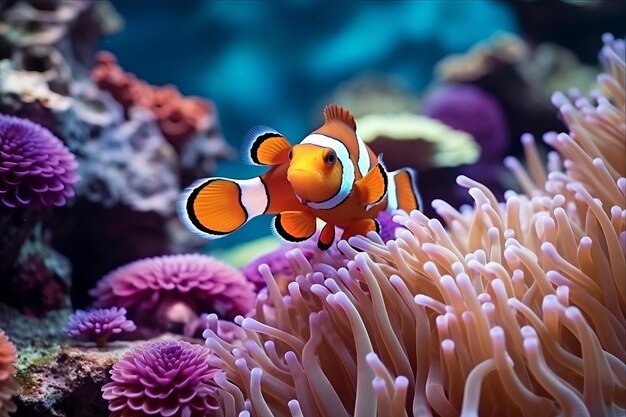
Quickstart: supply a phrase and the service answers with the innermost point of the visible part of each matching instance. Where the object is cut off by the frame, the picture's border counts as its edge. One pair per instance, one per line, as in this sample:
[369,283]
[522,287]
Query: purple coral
[175,289]
[36,168]
[171,378]
[472,110]
[99,324]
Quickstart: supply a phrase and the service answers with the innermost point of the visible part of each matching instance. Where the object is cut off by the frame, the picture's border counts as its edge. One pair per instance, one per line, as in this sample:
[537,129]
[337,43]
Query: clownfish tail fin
[265,146]
[403,193]
[215,207]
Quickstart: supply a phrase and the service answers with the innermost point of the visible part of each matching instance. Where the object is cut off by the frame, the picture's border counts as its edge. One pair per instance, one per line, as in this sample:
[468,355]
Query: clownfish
[331,175]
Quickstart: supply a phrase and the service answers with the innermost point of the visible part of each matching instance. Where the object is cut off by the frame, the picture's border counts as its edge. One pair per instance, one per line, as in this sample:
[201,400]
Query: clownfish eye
[331,158]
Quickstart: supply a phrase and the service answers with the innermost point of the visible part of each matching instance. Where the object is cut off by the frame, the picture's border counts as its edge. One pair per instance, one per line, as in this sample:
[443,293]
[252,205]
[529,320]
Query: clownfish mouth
[305,174]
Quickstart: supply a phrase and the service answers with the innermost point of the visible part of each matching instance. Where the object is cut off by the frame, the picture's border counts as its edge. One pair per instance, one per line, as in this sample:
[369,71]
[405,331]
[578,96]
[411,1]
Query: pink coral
[8,387]
[175,289]
[168,378]
[99,324]
[36,169]
[178,117]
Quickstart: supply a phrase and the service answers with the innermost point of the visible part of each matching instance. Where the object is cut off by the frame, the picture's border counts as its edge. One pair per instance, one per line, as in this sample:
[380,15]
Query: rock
[66,380]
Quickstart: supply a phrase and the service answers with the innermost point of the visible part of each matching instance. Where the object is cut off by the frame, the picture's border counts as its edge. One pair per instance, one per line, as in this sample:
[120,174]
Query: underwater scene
[312,208]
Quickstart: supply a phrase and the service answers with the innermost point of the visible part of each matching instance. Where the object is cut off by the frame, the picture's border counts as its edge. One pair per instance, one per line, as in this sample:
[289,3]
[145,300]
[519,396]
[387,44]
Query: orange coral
[8,387]
[178,117]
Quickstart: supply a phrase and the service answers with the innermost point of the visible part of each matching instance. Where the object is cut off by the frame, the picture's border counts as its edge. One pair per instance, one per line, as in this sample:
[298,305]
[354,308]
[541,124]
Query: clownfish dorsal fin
[265,146]
[334,112]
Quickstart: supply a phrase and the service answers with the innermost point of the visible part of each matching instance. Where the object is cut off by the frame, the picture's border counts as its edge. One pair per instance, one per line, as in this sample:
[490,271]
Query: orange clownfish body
[331,175]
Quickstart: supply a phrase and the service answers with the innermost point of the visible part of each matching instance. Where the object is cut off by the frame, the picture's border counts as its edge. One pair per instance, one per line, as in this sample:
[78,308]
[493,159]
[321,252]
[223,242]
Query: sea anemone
[99,324]
[166,378]
[36,169]
[174,290]
[8,386]
[277,262]
[516,306]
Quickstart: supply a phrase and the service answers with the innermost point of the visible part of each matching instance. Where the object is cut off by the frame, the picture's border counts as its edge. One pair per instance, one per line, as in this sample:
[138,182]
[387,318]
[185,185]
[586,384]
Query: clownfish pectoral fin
[294,226]
[360,227]
[214,207]
[265,146]
[327,237]
[403,193]
[373,186]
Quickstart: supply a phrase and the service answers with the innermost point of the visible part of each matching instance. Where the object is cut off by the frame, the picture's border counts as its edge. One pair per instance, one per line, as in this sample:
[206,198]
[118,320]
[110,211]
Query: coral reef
[8,387]
[36,34]
[36,169]
[29,330]
[130,173]
[470,109]
[374,95]
[166,378]
[518,305]
[66,380]
[432,143]
[99,324]
[188,123]
[173,291]
[497,66]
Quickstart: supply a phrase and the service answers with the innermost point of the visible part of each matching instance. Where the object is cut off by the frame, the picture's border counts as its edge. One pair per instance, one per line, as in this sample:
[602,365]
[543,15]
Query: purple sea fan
[99,324]
[171,378]
[36,168]
[175,289]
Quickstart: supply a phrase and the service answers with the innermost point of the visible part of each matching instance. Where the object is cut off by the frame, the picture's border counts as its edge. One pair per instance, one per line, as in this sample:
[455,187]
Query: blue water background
[277,62]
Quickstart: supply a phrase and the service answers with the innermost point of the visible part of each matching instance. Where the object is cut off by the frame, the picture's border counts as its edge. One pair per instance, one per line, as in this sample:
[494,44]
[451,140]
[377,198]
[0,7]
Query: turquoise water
[276,63]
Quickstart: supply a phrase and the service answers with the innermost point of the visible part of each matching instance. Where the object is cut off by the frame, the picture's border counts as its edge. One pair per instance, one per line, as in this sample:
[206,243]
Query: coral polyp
[175,290]
[36,169]
[170,378]
[99,324]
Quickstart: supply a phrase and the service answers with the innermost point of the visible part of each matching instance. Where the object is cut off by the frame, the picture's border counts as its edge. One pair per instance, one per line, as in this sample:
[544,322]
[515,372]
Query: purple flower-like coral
[175,289]
[99,324]
[36,168]
[166,378]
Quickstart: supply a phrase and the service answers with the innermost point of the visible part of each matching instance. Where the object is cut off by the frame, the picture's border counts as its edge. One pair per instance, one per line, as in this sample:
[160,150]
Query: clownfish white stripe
[347,174]
[364,157]
[253,196]
[392,196]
